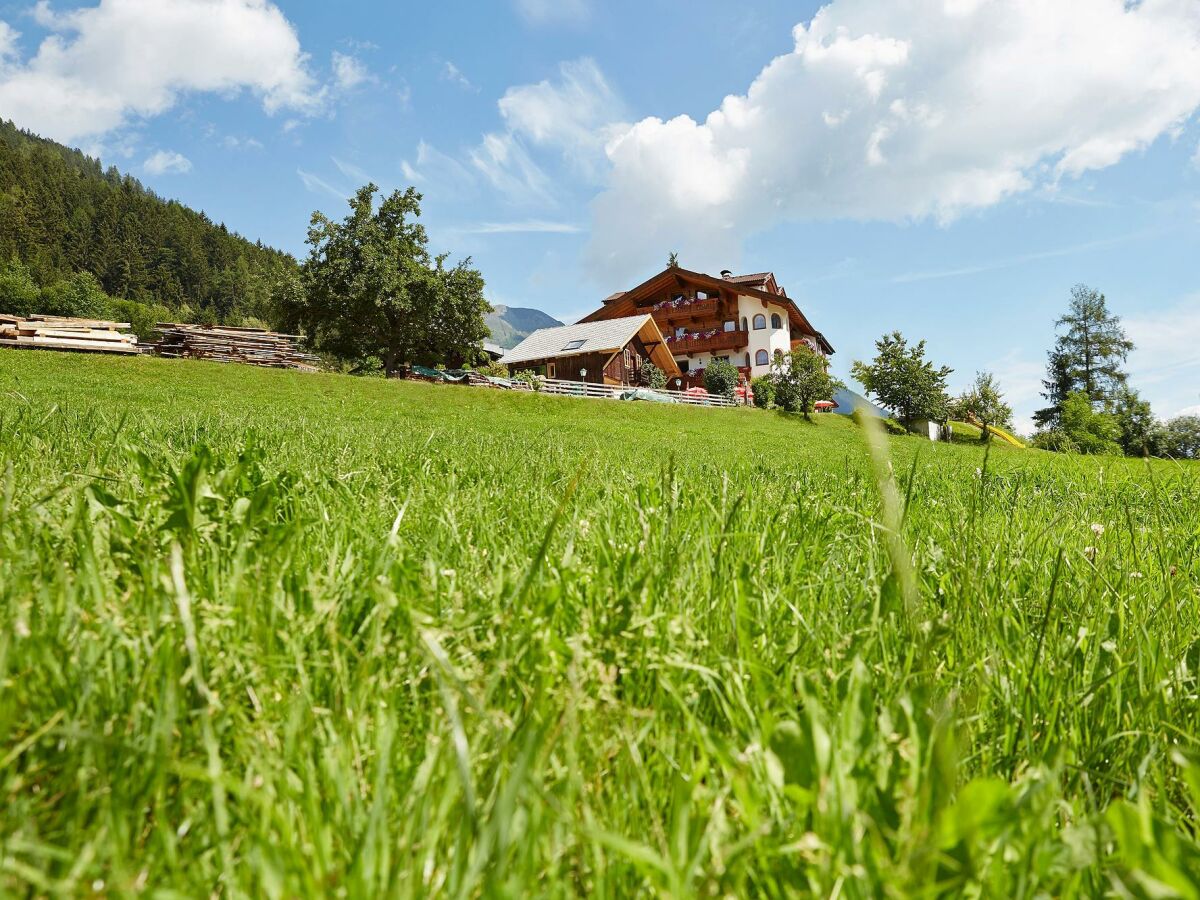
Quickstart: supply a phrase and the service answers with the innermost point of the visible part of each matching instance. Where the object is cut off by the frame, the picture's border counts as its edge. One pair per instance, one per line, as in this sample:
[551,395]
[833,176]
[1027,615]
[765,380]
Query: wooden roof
[607,335]
[627,303]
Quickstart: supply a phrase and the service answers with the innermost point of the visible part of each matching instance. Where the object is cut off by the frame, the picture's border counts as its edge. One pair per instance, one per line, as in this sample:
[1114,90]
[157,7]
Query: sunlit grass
[284,635]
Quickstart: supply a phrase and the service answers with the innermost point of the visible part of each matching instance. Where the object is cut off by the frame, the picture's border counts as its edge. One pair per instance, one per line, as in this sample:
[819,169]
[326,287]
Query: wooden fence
[614,392]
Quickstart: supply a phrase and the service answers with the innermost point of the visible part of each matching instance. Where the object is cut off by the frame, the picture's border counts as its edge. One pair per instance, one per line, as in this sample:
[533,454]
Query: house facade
[747,320]
[610,351]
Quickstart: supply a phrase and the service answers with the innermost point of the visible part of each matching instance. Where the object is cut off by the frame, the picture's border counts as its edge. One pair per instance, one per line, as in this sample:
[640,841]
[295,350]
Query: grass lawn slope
[280,635]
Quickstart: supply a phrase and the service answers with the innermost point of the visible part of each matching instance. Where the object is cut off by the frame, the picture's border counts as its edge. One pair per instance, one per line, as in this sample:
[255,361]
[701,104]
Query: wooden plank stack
[61,333]
[250,346]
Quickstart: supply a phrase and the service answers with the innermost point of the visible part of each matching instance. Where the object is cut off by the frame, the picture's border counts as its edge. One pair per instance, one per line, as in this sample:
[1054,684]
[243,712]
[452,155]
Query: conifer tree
[1089,356]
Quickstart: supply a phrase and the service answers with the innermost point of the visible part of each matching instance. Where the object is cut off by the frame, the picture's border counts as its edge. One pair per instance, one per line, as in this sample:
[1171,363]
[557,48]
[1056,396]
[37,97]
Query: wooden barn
[611,352]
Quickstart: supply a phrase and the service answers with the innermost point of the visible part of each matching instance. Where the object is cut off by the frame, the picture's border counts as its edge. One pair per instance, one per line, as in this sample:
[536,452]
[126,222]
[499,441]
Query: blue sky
[949,168]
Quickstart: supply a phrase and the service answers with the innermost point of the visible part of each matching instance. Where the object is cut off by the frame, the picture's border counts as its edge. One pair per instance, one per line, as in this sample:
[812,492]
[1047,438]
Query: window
[747,360]
[552,373]
[761,358]
[778,355]
[744,328]
[680,331]
[574,345]
[722,358]
[776,322]
[683,365]
[760,322]
[731,326]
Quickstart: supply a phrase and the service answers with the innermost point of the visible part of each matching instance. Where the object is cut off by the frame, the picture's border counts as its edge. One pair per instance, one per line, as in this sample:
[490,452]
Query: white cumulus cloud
[106,64]
[8,43]
[167,162]
[910,109]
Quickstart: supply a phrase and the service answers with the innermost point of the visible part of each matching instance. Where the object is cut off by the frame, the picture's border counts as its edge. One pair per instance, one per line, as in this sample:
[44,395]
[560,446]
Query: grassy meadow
[268,634]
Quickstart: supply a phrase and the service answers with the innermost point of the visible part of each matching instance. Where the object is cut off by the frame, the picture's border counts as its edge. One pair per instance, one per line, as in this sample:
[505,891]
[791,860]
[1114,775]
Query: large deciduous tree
[1181,437]
[371,290]
[983,403]
[1087,357]
[800,379]
[1141,432]
[903,380]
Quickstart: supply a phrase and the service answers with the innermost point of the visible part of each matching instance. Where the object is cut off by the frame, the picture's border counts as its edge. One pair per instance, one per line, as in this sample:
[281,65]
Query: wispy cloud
[233,142]
[533,226]
[317,185]
[454,75]
[554,12]
[1166,342]
[351,171]
[1010,262]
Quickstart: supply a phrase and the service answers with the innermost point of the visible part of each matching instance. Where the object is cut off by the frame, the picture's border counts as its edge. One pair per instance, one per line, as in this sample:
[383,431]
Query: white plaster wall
[769,339]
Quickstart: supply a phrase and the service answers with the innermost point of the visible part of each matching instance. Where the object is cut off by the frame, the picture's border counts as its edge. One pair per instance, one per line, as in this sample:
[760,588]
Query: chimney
[726,274]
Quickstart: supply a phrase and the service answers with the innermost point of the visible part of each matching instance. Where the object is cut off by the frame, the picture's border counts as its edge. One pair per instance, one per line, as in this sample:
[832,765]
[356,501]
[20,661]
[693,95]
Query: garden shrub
[764,391]
[721,378]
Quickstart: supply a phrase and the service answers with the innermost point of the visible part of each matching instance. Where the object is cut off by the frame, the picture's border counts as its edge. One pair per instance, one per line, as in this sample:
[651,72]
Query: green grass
[275,635]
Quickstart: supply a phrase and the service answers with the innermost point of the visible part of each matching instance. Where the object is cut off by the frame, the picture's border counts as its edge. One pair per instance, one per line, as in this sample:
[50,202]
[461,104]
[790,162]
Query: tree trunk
[390,365]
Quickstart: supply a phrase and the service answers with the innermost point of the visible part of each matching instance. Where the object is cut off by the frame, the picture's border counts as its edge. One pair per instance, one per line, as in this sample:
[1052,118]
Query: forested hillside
[62,214]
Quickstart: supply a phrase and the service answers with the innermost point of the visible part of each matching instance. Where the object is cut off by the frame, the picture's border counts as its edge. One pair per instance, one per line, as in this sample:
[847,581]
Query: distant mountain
[511,324]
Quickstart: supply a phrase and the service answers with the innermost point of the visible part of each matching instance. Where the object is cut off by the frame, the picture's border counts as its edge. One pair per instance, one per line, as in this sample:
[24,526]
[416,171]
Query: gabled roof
[607,336]
[626,303]
[759,279]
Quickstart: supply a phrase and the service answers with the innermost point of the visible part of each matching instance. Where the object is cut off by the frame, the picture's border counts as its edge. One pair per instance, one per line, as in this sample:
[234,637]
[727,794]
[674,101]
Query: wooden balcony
[696,309]
[708,342]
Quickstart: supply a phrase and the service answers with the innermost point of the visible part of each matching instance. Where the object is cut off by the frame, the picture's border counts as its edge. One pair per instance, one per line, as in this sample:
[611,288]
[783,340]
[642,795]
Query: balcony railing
[678,310]
[707,342]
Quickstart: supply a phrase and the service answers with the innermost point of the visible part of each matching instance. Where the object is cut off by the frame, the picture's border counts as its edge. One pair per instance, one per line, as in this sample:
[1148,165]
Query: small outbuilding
[611,351]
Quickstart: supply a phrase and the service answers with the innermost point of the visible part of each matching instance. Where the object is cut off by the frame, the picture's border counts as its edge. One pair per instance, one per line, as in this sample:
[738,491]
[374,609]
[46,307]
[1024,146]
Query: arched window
[747,360]
[776,322]
[778,355]
[744,328]
[760,322]
[761,358]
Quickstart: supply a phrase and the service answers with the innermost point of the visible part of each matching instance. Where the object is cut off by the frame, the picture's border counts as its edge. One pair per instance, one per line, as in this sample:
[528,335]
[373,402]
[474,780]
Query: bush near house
[652,376]
[721,378]
[493,368]
[763,388]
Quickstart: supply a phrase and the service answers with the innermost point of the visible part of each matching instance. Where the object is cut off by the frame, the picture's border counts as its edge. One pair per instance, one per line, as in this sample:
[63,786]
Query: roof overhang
[627,303]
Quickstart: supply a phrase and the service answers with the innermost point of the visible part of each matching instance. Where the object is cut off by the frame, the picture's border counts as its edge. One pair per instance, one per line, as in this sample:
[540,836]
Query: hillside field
[281,635]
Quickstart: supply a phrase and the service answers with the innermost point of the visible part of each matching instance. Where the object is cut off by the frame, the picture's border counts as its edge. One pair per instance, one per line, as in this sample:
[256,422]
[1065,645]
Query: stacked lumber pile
[251,346]
[61,333]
